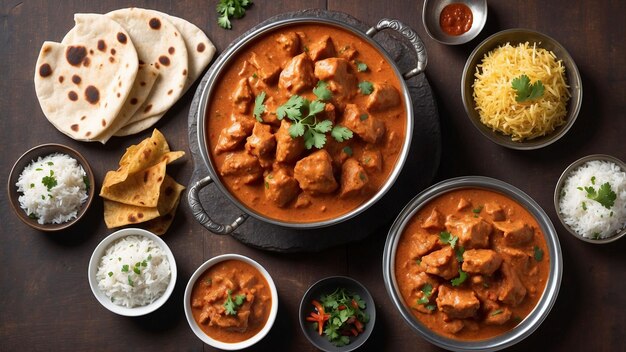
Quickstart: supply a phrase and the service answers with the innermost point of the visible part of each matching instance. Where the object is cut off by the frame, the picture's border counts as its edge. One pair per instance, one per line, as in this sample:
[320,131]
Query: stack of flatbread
[139,192]
[117,74]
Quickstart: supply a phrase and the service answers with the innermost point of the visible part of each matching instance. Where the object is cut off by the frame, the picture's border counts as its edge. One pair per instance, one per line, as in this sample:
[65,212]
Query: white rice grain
[588,217]
[57,204]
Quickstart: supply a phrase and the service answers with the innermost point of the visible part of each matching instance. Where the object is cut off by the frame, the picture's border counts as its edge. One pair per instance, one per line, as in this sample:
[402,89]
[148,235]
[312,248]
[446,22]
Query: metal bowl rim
[559,185]
[240,44]
[531,144]
[534,318]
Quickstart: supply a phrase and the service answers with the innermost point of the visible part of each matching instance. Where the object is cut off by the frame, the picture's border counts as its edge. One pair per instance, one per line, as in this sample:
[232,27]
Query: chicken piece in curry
[306,124]
[231,301]
[471,264]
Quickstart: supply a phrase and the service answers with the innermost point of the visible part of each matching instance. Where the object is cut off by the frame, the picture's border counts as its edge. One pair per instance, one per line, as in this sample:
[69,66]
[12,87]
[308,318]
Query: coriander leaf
[322,92]
[423,300]
[324,126]
[130,282]
[496,312]
[232,306]
[125,268]
[347,150]
[366,88]
[431,307]
[231,8]
[604,195]
[361,66]
[316,107]
[296,130]
[459,253]
[427,289]
[49,181]
[363,117]
[538,254]
[526,91]
[291,108]
[459,280]
[259,107]
[340,133]
[446,238]
[313,138]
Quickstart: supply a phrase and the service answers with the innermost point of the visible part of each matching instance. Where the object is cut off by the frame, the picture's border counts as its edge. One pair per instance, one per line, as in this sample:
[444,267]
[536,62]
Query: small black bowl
[328,286]
[28,157]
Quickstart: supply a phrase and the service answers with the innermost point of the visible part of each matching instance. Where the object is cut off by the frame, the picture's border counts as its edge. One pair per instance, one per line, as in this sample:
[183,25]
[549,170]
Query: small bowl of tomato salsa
[231,302]
[454,22]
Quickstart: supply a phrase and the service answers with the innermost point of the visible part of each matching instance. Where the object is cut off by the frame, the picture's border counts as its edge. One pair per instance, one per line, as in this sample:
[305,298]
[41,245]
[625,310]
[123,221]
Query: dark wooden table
[45,300]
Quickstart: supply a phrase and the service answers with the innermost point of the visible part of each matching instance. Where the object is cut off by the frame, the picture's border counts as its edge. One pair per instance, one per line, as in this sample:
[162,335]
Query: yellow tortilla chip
[141,188]
[161,224]
[118,214]
[170,193]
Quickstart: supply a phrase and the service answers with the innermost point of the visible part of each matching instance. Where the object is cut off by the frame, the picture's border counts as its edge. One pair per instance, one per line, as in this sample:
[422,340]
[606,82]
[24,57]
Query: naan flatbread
[159,44]
[82,86]
[200,52]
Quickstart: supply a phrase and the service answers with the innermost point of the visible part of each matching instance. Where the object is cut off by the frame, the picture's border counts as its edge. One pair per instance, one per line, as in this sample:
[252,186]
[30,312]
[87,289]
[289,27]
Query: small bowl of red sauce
[454,22]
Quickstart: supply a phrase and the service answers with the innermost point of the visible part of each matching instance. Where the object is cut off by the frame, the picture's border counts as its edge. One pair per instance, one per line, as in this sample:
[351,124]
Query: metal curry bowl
[537,315]
[241,45]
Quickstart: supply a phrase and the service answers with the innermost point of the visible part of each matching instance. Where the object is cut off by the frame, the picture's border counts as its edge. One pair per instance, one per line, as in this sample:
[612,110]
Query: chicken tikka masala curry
[306,124]
[231,301]
[471,264]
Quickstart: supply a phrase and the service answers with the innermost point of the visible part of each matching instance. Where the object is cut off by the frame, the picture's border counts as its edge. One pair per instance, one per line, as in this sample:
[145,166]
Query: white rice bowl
[59,197]
[134,271]
[587,217]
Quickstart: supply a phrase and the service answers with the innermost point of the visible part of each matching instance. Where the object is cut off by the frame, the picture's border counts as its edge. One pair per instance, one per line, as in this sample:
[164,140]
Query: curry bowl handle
[411,36]
[193,197]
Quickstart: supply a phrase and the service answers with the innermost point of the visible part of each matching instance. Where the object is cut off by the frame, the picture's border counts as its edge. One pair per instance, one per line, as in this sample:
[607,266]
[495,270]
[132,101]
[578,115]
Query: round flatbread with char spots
[200,52]
[82,86]
[159,44]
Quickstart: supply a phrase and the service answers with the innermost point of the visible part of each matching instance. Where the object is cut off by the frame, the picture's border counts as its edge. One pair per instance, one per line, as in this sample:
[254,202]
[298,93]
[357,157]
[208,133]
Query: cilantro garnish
[604,195]
[361,66]
[477,211]
[526,91]
[130,282]
[49,181]
[427,291]
[302,113]
[347,150]
[322,92]
[496,312]
[538,253]
[232,305]
[110,273]
[231,8]
[366,88]
[447,238]
[338,313]
[459,280]
[259,107]
[125,268]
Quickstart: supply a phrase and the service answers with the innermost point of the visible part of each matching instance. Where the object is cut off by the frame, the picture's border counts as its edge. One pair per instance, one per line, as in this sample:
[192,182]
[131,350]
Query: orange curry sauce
[211,290]
[456,19]
[261,64]
[505,258]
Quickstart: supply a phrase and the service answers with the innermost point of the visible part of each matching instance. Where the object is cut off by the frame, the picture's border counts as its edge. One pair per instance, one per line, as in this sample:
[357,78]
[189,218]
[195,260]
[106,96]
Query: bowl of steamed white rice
[132,272]
[590,198]
[50,187]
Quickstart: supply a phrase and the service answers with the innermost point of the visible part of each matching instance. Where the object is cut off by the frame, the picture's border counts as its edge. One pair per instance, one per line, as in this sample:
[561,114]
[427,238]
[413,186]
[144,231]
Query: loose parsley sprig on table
[526,91]
[302,113]
[231,8]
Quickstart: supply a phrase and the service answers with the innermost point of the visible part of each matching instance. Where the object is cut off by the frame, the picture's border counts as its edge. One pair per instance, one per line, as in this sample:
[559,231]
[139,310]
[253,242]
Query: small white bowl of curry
[231,302]
[473,263]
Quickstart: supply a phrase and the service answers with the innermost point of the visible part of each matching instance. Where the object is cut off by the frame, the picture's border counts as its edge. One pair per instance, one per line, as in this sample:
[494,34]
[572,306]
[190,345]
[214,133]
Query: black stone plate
[418,172]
